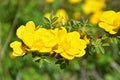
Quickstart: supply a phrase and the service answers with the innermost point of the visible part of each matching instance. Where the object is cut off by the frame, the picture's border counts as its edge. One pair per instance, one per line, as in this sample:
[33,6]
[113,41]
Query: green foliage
[103,52]
[63,63]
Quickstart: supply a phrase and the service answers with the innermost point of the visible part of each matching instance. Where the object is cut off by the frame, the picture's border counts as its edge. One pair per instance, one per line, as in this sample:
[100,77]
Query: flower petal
[30,26]
[108,17]
[107,27]
[17,48]
[19,31]
[65,55]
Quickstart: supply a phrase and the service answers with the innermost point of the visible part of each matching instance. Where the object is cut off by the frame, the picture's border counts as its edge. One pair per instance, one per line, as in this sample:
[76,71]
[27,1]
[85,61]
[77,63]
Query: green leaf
[46,60]
[54,19]
[118,37]
[36,59]
[41,63]
[105,44]
[101,49]
[59,62]
[98,42]
[104,37]
[114,40]
[51,16]
[63,63]
[62,66]
[46,20]
[97,50]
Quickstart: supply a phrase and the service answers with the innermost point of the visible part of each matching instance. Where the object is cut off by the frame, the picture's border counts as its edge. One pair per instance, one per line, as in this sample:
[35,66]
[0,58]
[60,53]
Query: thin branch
[115,66]
[83,74]
[95,74]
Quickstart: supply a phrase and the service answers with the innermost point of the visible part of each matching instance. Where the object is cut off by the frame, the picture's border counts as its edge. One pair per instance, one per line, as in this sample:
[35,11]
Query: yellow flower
[94,18]
[60,33]
[71,46]
[110,21]
[62,16]
[25,33]
[91,6]
[74,1]
[49,1]
[68,45]
[43,40]
[59,36]
[40,39]
[18,49]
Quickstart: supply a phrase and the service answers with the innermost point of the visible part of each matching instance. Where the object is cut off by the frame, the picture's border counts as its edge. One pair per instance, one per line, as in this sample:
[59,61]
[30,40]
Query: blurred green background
[14,13]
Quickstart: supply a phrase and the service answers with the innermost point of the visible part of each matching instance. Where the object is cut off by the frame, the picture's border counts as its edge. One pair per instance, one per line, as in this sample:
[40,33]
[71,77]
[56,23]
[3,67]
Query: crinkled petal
[108,17]
[107,27]
[27,38]
[81,53]
[66,56]
[60,34]
[17,48]
[30,26]
[19,31]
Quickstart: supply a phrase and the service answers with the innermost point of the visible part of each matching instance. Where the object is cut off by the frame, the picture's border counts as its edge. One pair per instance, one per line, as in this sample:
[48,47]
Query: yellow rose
[71,46]
[18,49]
[44,40]
[39,39]
[60,33]
[110,21]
